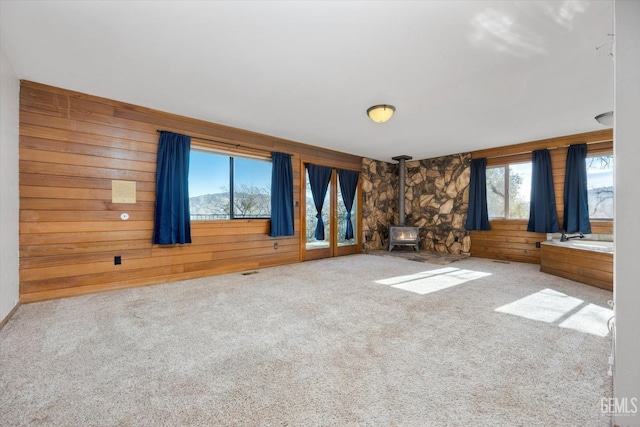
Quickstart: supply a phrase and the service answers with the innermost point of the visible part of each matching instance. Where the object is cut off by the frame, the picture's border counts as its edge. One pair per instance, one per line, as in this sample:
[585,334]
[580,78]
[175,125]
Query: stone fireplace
[436,200]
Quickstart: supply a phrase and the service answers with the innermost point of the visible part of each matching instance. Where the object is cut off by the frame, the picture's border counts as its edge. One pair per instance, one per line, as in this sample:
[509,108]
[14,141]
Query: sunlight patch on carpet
[591,319]
[550,306]
[430,281]
[545,306]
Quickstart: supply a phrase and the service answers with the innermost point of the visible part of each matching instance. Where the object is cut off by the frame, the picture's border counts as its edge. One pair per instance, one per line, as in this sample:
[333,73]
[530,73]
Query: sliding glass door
[325,225]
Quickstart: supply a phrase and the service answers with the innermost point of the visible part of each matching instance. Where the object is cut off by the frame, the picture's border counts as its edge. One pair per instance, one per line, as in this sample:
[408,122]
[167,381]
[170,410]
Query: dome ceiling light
[381,113]
[605,119]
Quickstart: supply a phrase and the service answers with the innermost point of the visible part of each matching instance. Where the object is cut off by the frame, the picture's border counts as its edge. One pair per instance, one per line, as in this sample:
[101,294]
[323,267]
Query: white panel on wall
[627,206]
[9,199]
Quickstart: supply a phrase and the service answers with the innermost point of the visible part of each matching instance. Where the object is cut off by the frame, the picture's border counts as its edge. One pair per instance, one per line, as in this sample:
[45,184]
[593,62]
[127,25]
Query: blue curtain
[477,213]
[319,177]
[281,195]
[172,221]
[348,186]
[543,216]
[576,199]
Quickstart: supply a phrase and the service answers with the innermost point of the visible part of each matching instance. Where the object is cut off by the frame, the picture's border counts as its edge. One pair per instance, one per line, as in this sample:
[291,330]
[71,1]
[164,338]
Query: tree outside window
[228,187]
[600,186]
[509,198]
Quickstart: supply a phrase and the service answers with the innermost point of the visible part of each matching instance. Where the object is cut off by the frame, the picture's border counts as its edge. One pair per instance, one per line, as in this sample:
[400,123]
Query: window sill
[235,222]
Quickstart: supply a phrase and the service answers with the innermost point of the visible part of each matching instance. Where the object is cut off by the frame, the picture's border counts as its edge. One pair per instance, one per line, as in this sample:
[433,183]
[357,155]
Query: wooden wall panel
[591,267]
[72,145]
[509,239]
[604,135]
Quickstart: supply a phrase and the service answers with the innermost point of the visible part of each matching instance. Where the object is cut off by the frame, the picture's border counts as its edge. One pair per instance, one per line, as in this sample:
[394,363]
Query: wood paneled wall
[73,145]
[509,239]
[591,267]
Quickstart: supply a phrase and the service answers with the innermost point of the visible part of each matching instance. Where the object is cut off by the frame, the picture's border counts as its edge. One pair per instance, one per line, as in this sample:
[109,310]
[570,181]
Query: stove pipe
[401,191]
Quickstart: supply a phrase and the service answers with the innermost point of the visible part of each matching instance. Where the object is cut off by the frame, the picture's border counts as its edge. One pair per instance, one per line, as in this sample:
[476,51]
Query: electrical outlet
[538,245]
[275,246]
[117,260]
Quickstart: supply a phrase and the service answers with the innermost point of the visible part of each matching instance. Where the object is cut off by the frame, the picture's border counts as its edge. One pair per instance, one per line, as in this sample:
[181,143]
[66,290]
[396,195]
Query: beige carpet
[358,340]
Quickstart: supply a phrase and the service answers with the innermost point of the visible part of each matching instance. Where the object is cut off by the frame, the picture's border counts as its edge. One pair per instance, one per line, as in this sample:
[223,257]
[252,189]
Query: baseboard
[8,316]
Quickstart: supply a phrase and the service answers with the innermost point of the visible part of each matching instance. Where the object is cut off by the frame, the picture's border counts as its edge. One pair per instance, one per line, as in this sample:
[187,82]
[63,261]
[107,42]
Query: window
[227,187]
[509,198]
[600,186]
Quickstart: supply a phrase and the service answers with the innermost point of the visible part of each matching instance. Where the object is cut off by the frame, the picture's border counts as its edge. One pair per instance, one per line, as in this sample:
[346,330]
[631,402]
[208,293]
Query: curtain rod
[221,142]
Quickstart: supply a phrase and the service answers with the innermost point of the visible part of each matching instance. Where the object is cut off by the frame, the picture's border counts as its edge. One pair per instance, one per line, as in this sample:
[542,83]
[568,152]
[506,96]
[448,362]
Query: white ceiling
[463,75]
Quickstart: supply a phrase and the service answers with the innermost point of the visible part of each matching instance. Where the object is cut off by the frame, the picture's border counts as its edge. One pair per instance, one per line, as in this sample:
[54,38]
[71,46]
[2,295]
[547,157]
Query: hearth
[402,234]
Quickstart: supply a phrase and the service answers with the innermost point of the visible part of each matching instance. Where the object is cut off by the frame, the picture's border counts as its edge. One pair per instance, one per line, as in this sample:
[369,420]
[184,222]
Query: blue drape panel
[543,216]
[319,177]
[172,221]
[477,213]
[281,195]
[576,199]
[348,186]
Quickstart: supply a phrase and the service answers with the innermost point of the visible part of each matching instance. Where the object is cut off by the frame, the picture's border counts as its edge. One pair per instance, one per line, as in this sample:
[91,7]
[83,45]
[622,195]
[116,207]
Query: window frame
[231,156]
[507,208]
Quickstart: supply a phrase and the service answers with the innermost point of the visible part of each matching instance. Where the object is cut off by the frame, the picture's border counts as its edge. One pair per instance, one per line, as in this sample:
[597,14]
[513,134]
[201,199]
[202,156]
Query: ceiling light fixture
[381,113]
[605,119]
